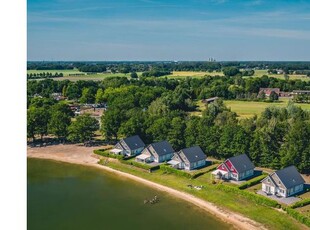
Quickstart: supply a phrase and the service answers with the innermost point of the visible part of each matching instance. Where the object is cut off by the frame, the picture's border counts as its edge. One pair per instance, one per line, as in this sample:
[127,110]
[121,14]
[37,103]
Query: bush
[139,165]
[298,216]
[169,169]
[105,153]
[301,203]
[249,195]
[252,182]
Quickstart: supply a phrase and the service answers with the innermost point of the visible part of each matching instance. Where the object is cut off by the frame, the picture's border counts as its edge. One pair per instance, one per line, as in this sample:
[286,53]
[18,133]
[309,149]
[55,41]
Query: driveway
[284,200]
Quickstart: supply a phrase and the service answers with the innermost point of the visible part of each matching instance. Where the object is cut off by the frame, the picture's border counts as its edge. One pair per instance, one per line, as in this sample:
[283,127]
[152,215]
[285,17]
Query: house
[189,158]
[156,152]
[267,91]
[235,168]
[129,146]
[284,182]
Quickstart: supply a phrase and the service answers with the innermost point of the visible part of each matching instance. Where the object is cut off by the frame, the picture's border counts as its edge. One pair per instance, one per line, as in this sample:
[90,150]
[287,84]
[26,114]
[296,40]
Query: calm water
[65,196]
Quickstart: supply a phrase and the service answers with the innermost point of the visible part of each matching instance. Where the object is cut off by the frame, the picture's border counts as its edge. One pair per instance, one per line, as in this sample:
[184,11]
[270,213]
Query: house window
[268,180]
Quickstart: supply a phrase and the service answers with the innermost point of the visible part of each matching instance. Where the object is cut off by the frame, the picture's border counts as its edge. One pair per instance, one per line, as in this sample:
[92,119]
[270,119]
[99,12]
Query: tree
[134,75]
[37,119]
[273,96]
[231,71]
[176,133]
[111,122]
[83,129]
[296,149]
[99,96]
[87,96]
[60,120]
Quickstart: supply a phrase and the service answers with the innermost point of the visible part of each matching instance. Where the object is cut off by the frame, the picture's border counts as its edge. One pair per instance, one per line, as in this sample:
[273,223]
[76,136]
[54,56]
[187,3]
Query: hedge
[105,153]
[252,182]
[251,196]
[298,216]
[301,203]
[140,165]
[169,169]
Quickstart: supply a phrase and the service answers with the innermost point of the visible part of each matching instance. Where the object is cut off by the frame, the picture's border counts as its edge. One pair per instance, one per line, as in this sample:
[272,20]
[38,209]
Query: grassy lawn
[304,210]
[194,74]
[271,218]
[246,109]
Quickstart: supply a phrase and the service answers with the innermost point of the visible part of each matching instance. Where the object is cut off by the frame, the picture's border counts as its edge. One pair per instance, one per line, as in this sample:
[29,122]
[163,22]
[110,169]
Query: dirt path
[84,155]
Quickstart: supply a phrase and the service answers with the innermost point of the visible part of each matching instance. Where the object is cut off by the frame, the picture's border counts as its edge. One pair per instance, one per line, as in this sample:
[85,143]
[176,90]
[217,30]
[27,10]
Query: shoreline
[237,221]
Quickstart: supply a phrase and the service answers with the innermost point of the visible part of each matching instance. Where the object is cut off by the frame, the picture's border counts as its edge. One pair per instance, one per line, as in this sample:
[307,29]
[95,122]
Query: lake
[67,196]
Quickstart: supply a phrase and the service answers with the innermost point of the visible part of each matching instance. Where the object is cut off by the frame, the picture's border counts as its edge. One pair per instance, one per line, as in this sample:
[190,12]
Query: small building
[235,168]
[189,158]
[285,182]
[267,91]
[209,100]
[129,146]
[156,152]
[301,92]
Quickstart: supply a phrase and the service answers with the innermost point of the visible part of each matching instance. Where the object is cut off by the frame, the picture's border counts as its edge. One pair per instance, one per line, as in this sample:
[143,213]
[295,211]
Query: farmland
[247,109]
[67,73]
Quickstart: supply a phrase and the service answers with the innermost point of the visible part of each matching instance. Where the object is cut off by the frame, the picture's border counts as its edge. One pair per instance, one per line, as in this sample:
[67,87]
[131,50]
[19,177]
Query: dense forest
[158,109]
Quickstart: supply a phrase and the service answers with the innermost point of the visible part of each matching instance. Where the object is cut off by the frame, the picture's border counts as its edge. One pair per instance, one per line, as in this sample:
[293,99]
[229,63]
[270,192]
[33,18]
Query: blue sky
[168,30]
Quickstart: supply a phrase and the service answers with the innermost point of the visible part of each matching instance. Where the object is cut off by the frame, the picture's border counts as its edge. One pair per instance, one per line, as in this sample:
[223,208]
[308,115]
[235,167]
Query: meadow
[247,109]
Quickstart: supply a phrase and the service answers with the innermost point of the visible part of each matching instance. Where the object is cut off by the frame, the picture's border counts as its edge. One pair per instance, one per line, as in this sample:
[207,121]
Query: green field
[246,109]
[258,73]
[66,73]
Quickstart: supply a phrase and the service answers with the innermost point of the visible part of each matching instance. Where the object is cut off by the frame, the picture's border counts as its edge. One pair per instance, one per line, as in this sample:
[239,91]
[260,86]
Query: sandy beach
[84,155]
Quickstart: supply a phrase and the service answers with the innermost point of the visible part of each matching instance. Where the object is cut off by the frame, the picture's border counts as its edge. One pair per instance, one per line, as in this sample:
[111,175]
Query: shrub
[252,182]
[301,203]
[139,165]
[169,169]
[105,153]
[298,216]
[249,195]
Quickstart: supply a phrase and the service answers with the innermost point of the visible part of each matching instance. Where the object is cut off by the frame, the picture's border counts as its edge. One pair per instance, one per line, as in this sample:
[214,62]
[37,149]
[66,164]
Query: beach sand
[84,155]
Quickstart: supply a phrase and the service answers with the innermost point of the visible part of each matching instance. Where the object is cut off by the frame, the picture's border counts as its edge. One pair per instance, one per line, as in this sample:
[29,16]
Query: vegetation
[301,203]
[298,216]
[254,181]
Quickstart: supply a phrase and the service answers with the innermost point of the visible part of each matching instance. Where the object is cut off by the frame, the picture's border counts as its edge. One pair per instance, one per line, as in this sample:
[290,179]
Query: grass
[304,210]
[271,218]
[259,73]
[246,109]
[93,77]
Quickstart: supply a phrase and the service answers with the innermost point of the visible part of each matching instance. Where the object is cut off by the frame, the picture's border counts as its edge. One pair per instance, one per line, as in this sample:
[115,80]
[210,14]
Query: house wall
[197,164]
[296,189]
[246,174]
[134,151]
[163,158]
[265,188]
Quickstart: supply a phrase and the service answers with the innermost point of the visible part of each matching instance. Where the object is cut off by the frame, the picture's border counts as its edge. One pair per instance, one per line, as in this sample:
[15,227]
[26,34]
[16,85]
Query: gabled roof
[241,163]
[194,154]
[134,142]
[290,177]
[162,148]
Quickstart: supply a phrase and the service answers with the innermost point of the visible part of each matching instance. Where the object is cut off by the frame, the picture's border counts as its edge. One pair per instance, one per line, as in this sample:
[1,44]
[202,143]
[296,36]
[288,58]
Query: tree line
[43,75]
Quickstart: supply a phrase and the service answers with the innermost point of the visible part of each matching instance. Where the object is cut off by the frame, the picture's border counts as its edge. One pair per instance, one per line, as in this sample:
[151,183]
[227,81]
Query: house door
[267,189]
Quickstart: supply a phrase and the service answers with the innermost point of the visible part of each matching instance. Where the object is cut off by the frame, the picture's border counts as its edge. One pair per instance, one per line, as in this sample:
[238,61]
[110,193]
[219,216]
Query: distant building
[189,158]
[301,92]
[129,146]
[156,152]
[285,182]
[235,168]
[209,100]
[267,91]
